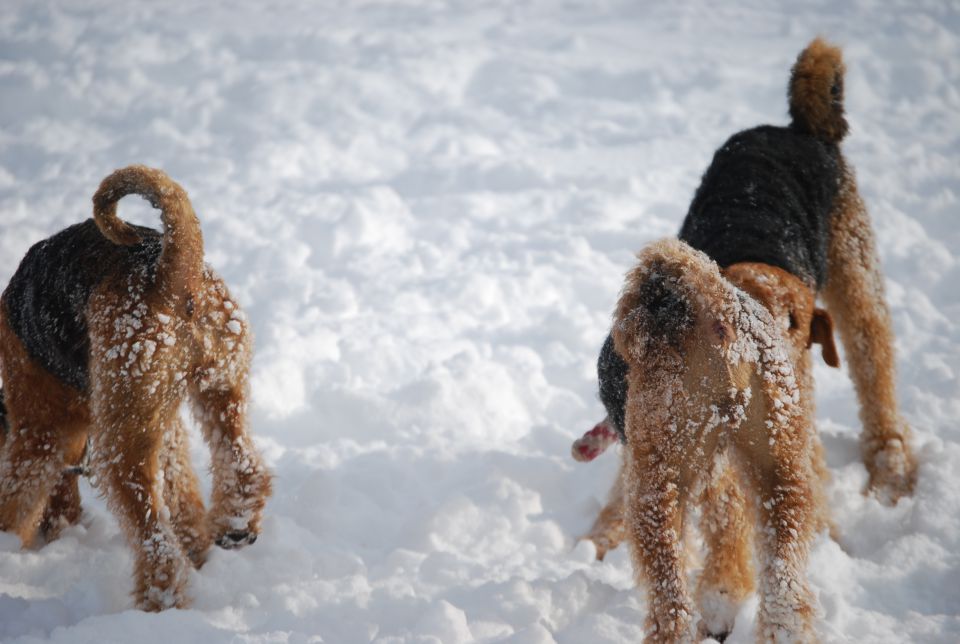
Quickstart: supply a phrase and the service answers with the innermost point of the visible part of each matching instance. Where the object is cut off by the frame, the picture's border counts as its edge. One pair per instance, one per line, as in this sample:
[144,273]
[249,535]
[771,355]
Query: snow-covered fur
[833,250]
[157,327]
[710,376]
[779,237]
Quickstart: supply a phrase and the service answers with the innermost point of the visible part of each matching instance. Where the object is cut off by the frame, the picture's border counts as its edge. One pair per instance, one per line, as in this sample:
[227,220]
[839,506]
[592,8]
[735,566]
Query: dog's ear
[821,332]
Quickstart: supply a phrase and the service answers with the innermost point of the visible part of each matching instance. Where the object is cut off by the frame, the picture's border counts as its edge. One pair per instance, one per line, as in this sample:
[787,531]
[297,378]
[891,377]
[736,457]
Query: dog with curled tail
[105,329]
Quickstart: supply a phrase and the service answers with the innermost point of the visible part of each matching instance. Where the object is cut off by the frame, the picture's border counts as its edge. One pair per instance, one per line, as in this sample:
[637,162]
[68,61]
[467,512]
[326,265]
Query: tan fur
[56,419]
[153,345]
[609,529]
[728,576]
[855,296]
[816,91]
[716,381]
[791,303]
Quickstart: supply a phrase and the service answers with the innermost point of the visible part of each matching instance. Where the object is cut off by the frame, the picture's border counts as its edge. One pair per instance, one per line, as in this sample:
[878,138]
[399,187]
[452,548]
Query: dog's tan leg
[727,577]
[46,418]
[136,390]
[609,530]
[64,508]
[776,460]
[803,367]
[855,297]
[30,467]
[655,500]
[181,492]
[126,467]
[241,482]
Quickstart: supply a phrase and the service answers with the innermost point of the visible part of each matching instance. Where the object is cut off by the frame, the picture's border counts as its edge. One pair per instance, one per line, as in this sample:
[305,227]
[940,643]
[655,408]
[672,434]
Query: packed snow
[426,209]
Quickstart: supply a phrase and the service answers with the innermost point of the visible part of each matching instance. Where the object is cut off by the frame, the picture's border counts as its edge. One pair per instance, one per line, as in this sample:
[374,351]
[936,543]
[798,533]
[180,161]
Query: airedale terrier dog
[105,329]
[706,376]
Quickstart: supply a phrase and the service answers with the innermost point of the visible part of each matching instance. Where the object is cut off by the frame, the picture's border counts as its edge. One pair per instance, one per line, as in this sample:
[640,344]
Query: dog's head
[676,325]
[688,335]
[669,303]
[793,306]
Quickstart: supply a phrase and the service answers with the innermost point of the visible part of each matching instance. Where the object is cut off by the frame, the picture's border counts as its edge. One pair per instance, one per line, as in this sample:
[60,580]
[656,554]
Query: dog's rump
[767,197]
[45,302]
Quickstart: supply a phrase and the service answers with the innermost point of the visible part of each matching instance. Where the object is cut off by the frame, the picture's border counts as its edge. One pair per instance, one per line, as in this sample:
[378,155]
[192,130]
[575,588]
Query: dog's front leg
[855,297]
[654,500]
[241,481]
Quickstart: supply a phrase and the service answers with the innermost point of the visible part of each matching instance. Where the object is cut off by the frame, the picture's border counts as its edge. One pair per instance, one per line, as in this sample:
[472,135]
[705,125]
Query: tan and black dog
[105,329]
[705,412]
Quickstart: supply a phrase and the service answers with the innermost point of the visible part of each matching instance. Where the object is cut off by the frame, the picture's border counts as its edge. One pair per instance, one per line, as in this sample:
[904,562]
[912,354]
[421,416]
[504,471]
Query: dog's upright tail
[180,265]
[816,92]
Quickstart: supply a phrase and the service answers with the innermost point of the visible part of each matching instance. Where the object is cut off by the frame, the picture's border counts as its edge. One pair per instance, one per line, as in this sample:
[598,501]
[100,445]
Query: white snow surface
[426,209]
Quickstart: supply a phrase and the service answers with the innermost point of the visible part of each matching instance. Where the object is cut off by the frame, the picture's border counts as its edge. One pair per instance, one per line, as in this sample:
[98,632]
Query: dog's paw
[607,537]
[718,610]
[893,472]
[236,539]
[241,487]
[162,573]
[601,546]
[235,531]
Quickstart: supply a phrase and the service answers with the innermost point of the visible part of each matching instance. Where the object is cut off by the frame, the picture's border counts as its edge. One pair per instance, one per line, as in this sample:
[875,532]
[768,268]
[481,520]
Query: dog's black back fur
[766,197]
[47,297]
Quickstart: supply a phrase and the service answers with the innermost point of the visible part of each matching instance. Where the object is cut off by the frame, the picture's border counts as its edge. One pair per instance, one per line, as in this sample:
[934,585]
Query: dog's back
[46,299]
[767,197]
[769,191]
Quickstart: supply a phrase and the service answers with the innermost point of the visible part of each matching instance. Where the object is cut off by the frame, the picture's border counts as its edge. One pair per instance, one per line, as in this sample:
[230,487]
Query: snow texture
[426,209]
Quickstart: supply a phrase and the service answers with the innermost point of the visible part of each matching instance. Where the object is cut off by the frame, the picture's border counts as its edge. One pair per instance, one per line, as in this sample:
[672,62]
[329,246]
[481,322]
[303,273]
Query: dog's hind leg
[855,298]
[46,418]
[727,577]
[181,492]
[241,482]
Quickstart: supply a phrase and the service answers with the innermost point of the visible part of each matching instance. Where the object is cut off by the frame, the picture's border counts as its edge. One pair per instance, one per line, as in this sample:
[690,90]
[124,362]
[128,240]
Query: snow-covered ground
[426,208]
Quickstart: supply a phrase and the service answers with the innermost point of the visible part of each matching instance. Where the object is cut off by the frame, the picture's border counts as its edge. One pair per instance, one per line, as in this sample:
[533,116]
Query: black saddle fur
[46,299]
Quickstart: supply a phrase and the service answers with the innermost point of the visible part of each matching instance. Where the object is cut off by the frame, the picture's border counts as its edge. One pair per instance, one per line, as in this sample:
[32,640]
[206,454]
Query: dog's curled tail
[816,92]
[181,260]
[673,294]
